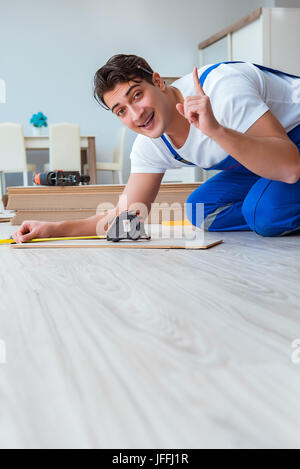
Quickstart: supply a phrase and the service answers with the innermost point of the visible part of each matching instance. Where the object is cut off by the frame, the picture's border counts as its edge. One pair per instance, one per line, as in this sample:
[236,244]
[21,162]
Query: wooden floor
[151,349]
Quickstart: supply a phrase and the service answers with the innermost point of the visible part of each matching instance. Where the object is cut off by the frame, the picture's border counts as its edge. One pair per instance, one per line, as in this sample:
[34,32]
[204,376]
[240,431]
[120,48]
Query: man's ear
[158,81]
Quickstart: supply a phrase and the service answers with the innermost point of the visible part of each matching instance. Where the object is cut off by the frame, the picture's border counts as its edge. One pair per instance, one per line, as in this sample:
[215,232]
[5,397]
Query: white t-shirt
[240,94]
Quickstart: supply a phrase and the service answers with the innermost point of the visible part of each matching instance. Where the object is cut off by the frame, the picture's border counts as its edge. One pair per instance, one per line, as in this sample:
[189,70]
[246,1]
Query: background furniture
[12,153]
[87,146]
[2,91]
[116,166]
[64,153]
[267,36]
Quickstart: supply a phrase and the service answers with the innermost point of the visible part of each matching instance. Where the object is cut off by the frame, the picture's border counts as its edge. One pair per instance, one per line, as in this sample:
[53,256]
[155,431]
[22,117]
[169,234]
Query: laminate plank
[161,238]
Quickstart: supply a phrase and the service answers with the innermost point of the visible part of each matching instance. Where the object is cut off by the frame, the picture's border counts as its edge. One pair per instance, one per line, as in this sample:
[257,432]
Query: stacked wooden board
[57,203]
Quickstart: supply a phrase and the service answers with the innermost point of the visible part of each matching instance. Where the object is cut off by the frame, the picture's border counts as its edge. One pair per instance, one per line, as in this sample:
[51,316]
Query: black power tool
[61,178]
[127,225]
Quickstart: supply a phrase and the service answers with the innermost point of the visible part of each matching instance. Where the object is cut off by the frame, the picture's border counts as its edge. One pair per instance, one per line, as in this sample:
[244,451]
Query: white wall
[50,50]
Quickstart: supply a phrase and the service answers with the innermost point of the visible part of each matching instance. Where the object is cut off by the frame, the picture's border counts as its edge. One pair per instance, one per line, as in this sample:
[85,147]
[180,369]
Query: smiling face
[142,107]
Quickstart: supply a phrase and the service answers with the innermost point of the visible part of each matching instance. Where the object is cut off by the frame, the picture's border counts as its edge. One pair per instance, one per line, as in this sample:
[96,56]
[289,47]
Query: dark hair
[120,68]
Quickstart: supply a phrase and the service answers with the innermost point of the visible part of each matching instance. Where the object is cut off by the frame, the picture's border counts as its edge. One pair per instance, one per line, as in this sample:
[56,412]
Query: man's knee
[262,220]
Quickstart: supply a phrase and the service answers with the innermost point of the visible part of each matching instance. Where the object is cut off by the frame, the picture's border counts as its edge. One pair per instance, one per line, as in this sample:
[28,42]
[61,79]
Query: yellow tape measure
[184,222]
[39,240]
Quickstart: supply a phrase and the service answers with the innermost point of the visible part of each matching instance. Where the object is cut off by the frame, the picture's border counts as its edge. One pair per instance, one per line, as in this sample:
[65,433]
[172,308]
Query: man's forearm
[270,157]
[85,227]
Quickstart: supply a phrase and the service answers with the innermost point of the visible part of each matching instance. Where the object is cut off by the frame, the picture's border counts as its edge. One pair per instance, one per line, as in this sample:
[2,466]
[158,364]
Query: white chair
[13,153]
[116,166]
[64,147]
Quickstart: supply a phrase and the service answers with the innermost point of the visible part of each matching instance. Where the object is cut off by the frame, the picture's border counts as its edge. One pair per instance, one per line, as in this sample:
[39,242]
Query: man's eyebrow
[126,94]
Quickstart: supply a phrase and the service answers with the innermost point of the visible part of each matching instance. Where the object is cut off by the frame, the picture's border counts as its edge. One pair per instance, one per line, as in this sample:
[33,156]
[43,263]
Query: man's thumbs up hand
[198,111]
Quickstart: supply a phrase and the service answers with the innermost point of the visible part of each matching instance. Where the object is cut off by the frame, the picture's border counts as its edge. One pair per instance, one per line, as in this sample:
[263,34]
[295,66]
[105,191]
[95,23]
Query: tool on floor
[127,225]
[61,178]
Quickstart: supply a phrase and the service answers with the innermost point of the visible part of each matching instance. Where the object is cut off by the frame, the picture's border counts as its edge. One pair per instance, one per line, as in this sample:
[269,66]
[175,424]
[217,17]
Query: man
[236,121]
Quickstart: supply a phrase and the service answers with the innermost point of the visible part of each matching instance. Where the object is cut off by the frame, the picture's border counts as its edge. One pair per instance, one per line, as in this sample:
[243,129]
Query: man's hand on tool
[198,111]
[34,229]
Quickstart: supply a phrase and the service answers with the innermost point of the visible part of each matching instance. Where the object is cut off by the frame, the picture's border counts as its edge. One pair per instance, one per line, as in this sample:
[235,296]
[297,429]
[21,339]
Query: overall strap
[273,70]
[175,154]
[212,67]
[261,67]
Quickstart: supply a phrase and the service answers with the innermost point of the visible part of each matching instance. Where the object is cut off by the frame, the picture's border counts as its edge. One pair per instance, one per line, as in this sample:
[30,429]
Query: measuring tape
[184,222]
[39,240]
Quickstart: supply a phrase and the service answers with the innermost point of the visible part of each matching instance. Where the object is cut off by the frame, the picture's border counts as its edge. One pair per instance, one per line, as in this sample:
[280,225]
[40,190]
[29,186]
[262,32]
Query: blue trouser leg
[272,208]
[243,201]
[223,196]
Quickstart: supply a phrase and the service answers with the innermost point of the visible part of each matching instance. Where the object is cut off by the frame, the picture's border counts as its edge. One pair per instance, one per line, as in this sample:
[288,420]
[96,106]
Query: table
[88,151]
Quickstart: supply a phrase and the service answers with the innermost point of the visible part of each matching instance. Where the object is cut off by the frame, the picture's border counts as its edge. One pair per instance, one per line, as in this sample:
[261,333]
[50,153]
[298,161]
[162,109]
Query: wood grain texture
[151,349]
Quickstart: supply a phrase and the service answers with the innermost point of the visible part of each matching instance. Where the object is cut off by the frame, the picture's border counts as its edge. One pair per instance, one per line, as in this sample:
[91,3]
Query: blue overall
[236,199]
